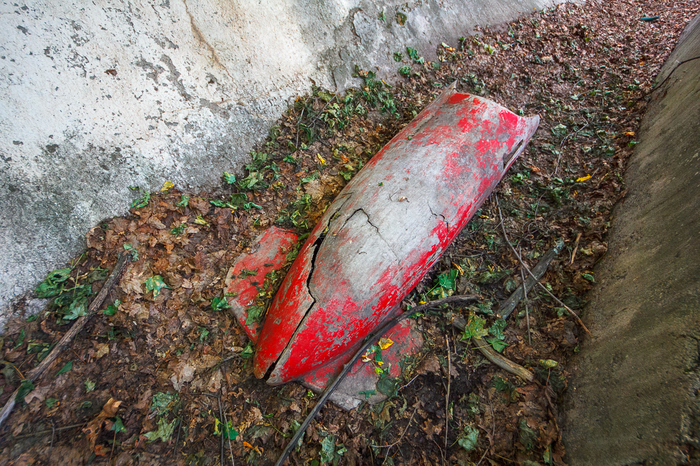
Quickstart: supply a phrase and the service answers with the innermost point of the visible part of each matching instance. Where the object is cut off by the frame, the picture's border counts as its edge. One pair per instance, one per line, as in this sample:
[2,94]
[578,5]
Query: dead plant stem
[447,396]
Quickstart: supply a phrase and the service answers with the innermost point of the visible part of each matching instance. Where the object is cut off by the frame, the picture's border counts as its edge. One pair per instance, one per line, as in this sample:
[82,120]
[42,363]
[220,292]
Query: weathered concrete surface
[100,96]
[635,396]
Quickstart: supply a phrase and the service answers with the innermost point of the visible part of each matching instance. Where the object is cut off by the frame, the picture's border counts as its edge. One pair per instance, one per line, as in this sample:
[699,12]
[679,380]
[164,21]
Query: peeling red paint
[268,253]
[383,233]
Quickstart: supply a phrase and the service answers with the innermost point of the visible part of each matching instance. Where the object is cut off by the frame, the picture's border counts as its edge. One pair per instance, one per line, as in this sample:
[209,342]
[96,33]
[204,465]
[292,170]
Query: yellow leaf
[384,343]
[216,427]
[200,221]
[323,161]
[167,185]
[629,133]
[422,302]
[583,178]
[248,445]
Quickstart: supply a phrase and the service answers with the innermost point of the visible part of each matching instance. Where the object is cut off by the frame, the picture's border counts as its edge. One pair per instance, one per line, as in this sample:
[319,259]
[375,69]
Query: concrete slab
[634,395]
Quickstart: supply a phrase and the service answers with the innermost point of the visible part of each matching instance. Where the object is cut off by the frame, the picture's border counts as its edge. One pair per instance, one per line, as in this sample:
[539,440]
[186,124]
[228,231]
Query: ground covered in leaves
[162,374]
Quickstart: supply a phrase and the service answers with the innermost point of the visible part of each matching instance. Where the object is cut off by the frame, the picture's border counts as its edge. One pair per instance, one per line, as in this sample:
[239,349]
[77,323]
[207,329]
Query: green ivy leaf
[469,439]
[229,178]
[112,308]
[118,425]
[255,313]
[475,328]
[388,386]
[66,368]
[155,284]
[164,432]
[184,201]
[448,280]
[497,329]
[498,345]
[219,304]
[77,308]
[25,387]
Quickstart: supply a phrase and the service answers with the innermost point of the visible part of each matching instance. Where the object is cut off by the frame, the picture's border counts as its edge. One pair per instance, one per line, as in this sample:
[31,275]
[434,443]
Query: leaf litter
[168,348]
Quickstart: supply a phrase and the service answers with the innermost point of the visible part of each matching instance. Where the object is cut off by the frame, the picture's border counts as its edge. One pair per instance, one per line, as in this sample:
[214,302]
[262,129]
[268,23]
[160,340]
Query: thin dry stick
[53,429]
[493,432]
[528,271]
[230,450]
[221,416]
[70,334]
[447,397]
[573,254]
[404,431]
[527,311]
[433,305]
[508,306]
[501,361]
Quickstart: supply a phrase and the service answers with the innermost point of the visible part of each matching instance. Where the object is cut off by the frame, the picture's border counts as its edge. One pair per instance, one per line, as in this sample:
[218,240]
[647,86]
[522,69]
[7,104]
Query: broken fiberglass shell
[385,230]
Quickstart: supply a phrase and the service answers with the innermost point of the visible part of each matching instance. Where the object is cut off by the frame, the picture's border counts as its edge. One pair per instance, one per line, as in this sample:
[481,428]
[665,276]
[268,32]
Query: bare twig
[70,334]
[527,311]
[53,430]
[447,396]
[230,450]
[538,271]
[493,432]
[433,305]
[573,254]
[221,417]
[404,431]
[298,124]
[533,276]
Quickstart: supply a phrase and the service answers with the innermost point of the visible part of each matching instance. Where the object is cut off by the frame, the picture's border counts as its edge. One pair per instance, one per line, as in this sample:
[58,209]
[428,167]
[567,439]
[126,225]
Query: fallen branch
[520,259]
[433,305]
[496,358]
[501,361]
[537,272]
[35,373]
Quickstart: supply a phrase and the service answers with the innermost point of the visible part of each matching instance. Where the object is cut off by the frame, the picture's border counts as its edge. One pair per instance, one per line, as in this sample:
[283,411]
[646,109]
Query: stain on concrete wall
[101,96]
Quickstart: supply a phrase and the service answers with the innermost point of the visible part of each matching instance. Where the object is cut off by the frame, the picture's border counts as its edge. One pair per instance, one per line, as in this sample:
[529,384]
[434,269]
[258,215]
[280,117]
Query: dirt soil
[162,374]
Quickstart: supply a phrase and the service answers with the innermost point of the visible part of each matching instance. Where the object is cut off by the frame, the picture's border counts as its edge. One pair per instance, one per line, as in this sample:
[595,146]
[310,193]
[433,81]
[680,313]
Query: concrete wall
[98,96]
[635,396]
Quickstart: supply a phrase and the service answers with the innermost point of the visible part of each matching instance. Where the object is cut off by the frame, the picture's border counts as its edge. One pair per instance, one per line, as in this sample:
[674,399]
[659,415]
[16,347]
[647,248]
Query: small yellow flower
[384,343]
[167,185]
[323,161]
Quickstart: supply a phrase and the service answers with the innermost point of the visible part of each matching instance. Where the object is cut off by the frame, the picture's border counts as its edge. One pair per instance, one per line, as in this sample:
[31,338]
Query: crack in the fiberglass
[312,268]
[447,223]
[379,233]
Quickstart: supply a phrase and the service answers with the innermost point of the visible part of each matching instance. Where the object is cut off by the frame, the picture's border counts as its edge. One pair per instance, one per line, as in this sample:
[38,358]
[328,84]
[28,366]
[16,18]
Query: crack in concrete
[200,37]
[352,14]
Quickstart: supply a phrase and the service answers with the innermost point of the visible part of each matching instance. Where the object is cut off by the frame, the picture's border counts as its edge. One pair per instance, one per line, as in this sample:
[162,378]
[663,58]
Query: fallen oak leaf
[93,428]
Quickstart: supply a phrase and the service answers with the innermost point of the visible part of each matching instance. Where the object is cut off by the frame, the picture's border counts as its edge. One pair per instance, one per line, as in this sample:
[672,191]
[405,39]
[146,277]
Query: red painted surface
[268,252]
[385,230]
[406,342]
